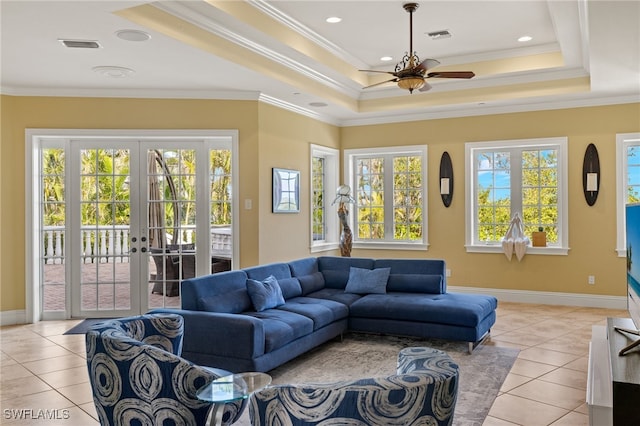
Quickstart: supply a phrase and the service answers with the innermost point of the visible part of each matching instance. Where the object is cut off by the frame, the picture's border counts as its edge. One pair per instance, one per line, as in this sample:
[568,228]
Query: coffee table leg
[215,414]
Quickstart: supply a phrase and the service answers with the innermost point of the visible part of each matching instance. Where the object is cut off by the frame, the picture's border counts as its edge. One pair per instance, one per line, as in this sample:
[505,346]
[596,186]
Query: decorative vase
[346,237]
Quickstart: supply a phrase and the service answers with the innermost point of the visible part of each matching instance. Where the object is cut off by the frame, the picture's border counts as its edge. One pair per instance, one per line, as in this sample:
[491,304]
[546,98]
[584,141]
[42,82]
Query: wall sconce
[446,179]
[591,174]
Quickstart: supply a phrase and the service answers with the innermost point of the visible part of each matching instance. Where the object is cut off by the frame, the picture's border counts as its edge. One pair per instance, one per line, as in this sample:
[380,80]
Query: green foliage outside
[318,199]
[104,186]
[406,193]
[539,194]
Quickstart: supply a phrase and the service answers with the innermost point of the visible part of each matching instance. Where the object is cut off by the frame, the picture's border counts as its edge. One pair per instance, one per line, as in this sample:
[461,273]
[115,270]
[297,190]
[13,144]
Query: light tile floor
[43,372]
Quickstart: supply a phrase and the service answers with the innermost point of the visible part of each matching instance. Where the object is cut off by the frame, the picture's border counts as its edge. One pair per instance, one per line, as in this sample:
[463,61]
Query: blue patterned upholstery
[138,377]
[423,392]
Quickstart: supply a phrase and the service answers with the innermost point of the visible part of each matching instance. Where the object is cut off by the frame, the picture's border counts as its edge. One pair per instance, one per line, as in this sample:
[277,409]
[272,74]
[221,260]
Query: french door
[141,215]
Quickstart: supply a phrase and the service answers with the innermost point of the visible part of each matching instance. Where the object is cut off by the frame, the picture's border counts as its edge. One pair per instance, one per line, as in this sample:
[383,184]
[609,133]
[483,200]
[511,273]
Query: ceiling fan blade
[383,72]
[427,64]
[393,80]
[451,74]
[424,88]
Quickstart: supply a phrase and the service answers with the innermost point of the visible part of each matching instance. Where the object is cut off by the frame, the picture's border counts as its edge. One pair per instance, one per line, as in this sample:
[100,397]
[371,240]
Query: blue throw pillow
[367,281]
[265,294]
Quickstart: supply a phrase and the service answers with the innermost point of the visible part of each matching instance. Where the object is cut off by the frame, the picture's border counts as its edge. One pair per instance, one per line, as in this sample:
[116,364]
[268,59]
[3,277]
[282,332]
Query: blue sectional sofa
[224,329]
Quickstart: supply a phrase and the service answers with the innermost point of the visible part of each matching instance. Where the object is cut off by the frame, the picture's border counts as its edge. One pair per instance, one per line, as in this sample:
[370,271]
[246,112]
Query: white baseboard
[548,297]
[13,317]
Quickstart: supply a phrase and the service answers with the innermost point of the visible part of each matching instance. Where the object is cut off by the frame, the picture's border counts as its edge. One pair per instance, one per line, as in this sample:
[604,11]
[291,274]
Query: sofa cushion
[260,272]
[466,310]
[312,282]
[336,295]
[367,281]
[336,269]
[265,294]
[290,286]
[415,283]
[424,267]
[305,266]
[322,312]
[225,292]
[232,302]
[282,327]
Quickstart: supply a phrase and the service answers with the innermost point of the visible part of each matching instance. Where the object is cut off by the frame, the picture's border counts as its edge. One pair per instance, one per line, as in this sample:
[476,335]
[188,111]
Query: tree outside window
[390,191]
[509,177]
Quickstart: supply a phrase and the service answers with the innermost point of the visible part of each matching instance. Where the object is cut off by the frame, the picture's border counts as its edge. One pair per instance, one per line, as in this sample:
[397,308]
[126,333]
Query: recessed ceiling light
[386,58]
[113,72]
[333,19]
[318,104]
[133,35]
[525,39]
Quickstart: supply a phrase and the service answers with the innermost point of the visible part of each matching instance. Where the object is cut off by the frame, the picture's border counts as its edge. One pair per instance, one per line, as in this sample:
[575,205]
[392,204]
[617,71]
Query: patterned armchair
[138,377]
[423,392]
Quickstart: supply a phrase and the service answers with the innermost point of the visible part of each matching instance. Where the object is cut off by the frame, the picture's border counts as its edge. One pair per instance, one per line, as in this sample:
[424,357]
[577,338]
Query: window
[628,181]
[527,177]
[324,181]
[389,186]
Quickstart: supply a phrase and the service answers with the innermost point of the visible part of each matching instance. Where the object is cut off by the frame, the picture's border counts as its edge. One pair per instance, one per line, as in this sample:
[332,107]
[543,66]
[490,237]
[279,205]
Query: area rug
[85,325]
[363,355]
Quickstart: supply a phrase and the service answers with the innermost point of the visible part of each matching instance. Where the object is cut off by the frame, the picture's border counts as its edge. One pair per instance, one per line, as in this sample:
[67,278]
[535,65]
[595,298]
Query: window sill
[551,251]
[320,247]
[390,246]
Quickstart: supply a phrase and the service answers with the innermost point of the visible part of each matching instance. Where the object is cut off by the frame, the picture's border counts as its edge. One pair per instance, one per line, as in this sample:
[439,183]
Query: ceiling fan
[410,73]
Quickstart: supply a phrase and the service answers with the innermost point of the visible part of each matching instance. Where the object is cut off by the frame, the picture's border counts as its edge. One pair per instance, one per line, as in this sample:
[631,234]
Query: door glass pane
[171,201]
[220,218]
[52,237]
[104,231]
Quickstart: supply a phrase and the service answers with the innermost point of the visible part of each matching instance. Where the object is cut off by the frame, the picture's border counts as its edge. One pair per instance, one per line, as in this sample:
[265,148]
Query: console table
[613,382]
[230,388]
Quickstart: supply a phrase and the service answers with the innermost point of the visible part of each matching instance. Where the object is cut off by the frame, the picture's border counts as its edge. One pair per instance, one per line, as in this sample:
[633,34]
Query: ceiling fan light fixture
[411,83]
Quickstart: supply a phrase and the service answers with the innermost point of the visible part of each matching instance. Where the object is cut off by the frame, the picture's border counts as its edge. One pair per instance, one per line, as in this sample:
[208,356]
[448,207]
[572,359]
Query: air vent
[81,44]
[437,35]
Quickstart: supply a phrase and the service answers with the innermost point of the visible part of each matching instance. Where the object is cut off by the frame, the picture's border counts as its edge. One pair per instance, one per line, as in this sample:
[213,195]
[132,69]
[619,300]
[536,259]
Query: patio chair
[167,272]
[168,268]
[138,377]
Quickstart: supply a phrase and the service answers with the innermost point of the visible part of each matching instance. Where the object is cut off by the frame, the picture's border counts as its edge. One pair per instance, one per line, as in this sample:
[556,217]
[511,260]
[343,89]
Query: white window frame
[350,156]
[559,143]
[331,182]
[623,141]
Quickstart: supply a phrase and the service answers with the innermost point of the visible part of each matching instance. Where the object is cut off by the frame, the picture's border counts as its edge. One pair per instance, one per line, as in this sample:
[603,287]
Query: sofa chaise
[321,298]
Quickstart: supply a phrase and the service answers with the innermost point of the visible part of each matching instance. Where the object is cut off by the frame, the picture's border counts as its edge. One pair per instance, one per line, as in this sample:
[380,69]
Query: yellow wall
[271,137]
[285,141]
[592,230]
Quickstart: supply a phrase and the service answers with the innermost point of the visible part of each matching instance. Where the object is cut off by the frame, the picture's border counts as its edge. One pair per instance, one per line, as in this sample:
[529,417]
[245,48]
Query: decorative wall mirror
[286,191]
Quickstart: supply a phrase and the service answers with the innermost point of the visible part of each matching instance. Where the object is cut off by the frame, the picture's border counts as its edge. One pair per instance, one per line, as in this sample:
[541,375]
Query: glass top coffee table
[228,389]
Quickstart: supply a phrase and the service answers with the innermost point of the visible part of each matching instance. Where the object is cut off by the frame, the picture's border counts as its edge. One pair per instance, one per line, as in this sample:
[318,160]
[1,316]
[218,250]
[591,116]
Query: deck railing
[111,244]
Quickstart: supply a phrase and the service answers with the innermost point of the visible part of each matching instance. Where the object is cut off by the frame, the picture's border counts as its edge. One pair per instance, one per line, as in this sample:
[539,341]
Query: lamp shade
[411,83]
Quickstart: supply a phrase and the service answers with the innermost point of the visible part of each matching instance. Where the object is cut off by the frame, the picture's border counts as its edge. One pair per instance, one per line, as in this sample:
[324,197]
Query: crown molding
[217,27]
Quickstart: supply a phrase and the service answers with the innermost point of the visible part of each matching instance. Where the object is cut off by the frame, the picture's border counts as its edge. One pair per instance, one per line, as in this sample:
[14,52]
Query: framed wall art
[286,191]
